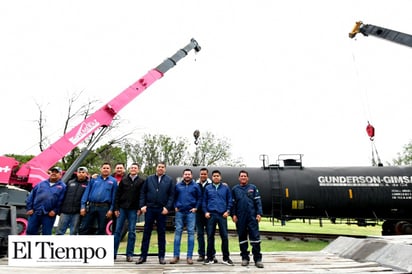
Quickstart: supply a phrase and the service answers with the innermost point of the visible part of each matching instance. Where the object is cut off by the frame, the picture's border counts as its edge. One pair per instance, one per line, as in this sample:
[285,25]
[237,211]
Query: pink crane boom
[36,169]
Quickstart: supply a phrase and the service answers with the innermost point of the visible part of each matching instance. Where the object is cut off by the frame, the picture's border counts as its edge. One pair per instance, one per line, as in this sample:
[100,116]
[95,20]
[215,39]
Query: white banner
[65,250]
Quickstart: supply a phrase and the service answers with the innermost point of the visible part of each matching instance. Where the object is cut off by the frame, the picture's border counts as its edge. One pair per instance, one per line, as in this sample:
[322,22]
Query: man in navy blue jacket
[201,221]
[188,197]
[217,203]
[156,200]
[43,203]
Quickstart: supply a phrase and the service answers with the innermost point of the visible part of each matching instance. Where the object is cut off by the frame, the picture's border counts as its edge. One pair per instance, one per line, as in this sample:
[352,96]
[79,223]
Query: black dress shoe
[141,260]
[162,261]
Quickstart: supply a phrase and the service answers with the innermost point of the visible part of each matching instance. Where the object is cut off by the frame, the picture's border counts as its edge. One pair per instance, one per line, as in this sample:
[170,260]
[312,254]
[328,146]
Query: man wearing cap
[43,203]
[70,209]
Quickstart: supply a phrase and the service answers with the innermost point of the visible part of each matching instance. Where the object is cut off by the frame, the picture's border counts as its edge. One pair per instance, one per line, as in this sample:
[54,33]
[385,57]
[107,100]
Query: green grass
[269,245]
[313,226]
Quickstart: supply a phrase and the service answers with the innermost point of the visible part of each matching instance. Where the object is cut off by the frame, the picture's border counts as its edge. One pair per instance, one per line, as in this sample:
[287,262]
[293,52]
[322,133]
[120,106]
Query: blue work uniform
[247,204]
[100,194]
[44,197]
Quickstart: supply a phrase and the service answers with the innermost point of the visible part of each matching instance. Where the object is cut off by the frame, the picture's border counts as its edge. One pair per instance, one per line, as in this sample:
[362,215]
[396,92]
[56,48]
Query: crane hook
[371,131]
[196,134]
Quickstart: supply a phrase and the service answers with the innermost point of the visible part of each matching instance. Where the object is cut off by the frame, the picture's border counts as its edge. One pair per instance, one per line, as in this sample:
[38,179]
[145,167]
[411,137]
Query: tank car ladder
[276,193]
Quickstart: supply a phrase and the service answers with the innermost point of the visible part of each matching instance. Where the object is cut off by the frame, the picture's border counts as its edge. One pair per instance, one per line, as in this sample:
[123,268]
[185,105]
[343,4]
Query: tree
[21,158]
[40,123]
[405,157]
[148,152]
[107,153]
[75,114]
[155,148]
[212,151]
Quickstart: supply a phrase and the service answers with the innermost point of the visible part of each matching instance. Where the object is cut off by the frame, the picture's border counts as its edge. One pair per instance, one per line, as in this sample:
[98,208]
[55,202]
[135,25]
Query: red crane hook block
[371,131]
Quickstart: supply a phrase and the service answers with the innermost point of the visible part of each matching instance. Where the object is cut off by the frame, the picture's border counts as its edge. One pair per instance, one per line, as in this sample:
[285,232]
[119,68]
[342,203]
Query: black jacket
[128,193]
[73,196]
[157,195]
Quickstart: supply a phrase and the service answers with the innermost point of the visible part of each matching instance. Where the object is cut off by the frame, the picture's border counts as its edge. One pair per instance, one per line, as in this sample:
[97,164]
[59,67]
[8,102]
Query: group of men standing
[218,202]
[199,206]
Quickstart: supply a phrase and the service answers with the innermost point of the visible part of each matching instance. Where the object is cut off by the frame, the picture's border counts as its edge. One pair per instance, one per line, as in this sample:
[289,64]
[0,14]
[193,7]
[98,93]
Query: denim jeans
[131,216]
[217,219]
[201,228]
[95,212]
[66,221]
[154,214]
[201,223]
[182,218]
[40,220]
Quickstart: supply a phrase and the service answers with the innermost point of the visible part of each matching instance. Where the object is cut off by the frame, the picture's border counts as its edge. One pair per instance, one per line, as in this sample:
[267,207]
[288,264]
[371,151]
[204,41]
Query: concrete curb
[391,251]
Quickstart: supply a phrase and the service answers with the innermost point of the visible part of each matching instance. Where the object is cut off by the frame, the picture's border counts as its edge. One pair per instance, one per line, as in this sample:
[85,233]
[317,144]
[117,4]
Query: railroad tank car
[361,195]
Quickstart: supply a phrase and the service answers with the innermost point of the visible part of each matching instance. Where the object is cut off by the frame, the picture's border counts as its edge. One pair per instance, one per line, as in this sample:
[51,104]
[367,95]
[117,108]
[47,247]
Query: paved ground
[279,262]
[343,255]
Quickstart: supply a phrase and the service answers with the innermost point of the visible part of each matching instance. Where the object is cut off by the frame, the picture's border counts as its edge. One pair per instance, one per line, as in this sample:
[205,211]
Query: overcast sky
[273,77]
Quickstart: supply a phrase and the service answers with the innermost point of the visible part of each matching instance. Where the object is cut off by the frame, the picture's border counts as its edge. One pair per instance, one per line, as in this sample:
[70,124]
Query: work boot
[228,261]
[141,260]
[259,264]
[175,260]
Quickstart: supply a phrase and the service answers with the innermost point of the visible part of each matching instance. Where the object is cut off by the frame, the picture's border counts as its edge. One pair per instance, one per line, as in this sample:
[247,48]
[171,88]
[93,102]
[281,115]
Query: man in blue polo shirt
[100,196]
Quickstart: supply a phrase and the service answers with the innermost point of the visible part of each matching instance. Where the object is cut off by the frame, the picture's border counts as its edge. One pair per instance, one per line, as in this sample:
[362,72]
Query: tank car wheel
[22,224]
[402,227]
[388,228]
[408,229]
